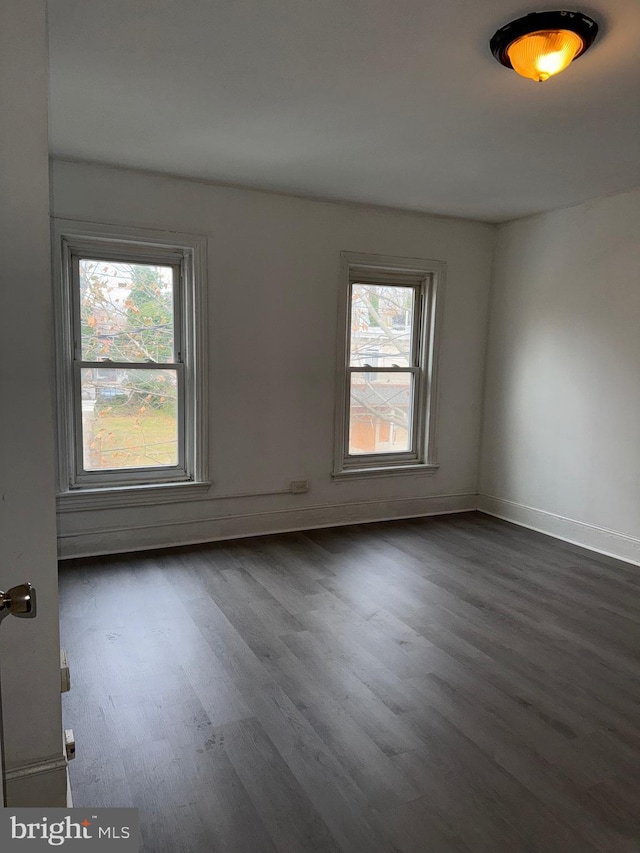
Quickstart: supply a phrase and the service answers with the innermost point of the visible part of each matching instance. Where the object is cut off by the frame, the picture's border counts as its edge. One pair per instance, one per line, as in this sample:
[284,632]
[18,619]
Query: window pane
[126,311]
[380,413]
[129,418]
[381,324]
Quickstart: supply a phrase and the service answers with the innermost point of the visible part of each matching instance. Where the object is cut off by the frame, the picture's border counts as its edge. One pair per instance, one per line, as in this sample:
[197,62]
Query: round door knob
[19,601]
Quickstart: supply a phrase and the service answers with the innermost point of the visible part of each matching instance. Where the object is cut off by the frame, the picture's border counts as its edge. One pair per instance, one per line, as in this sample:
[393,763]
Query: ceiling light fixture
[543,43]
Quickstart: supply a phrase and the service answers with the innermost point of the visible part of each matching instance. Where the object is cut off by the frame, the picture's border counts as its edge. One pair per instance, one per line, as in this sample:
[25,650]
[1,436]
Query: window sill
[388,471]
[125,496]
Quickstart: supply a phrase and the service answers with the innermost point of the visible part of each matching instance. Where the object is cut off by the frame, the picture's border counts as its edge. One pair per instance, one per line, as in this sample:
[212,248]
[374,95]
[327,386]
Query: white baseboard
[600,539]
[140,537]
[155,534]
[42,783]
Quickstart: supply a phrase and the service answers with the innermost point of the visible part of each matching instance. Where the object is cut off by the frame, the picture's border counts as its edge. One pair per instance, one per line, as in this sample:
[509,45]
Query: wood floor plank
[287,812]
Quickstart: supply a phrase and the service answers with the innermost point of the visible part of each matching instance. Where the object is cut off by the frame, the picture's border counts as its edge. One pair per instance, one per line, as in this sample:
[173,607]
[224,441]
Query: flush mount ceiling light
[543,43]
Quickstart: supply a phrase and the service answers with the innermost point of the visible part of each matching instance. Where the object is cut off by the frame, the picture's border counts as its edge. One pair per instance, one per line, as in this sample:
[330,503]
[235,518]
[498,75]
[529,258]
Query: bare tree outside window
[380,403]
[129,415]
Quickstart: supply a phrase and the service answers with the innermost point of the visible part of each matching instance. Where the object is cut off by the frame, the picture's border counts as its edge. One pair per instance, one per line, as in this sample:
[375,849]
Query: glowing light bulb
[542,54]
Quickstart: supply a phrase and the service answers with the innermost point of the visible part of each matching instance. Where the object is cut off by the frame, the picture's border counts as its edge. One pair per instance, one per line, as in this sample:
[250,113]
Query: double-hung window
[389,320]
[130,365]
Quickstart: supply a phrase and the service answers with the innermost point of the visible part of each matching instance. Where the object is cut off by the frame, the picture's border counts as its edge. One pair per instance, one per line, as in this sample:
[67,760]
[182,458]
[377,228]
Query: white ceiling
[392,102]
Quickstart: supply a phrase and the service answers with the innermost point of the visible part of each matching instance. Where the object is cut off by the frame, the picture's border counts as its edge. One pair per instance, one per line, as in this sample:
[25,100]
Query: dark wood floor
[446,684]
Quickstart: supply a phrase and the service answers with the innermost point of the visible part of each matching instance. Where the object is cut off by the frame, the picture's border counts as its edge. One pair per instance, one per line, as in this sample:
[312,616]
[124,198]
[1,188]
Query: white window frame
[427,278]
[186,254]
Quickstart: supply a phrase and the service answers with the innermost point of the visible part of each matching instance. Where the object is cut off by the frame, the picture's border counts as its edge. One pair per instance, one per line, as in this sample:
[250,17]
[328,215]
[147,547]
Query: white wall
[29,649]
[274,274]
[561,440]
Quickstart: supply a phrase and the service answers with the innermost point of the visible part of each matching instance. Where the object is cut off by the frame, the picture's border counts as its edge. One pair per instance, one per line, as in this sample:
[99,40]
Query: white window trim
[69,236]
[423,456]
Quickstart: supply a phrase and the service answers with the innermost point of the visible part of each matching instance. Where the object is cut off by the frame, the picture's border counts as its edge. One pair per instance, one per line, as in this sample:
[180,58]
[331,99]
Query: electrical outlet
[299,487]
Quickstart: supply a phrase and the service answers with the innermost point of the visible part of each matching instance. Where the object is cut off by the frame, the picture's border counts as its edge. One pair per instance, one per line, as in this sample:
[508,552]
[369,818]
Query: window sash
[388,455]
[148,256]
[415,369]
[124,476]
[416,310]
[426,278]
[133,258]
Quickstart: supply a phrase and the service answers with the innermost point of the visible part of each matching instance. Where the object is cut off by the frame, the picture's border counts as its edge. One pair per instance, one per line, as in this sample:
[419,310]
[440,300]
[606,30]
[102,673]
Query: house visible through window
[385,406]
[128,364]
